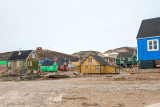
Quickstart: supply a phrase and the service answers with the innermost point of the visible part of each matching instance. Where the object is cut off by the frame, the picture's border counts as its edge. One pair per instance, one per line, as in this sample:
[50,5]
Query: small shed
[96,64]
[127,58]
[49,66]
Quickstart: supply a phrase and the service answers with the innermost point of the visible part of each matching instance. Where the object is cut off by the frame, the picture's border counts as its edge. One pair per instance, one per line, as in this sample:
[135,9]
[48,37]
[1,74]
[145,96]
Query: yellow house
[76,62]
[96,64]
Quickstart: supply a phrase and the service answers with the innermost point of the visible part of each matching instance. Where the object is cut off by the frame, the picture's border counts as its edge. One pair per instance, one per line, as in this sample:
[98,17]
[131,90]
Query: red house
[62,66]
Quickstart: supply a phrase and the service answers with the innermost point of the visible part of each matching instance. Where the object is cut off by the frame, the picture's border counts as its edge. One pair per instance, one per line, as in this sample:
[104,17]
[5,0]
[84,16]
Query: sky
[70,26]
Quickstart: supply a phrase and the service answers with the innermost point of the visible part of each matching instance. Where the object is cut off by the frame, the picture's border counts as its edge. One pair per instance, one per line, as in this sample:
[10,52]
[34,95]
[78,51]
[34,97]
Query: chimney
[19,52]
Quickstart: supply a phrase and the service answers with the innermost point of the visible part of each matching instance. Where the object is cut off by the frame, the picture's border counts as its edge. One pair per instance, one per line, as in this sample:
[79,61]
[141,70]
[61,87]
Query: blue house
[148,41]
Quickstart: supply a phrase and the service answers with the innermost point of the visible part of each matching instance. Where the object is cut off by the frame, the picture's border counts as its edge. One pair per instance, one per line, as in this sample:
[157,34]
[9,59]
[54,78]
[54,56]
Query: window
[90,60]
[29,63]
[129,59]
[86,67]
[50,67]
[153,45]
[18,63]
[97,67]
[33,55]
[9,64]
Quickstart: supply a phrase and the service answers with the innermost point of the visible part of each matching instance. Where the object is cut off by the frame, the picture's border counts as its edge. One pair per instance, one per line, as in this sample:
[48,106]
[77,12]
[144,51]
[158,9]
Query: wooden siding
[92,67]
[35,62]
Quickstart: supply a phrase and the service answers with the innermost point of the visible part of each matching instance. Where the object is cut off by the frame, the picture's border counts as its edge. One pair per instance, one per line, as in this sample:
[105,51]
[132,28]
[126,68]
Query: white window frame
[33,55]
[9,64]
[29,63]
[18,63]
[153,45]
[129,59]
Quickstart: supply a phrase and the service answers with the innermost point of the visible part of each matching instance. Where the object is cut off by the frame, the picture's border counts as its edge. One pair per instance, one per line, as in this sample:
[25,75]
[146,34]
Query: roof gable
[23,55]
[149,28]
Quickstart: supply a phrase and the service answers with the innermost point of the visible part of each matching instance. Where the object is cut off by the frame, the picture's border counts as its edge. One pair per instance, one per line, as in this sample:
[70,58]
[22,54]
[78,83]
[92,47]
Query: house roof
[126,54]
[149,28]
[47,63]
[16,56]
[75,60]
[100,60]
[60,63]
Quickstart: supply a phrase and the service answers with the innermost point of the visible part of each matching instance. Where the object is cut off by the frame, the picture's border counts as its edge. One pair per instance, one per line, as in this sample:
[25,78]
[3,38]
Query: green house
[49,66]
[126,58]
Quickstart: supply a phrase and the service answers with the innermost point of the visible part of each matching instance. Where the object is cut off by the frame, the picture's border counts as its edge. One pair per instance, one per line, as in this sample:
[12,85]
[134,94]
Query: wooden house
[23,62]
[127,58]
[96,64]
[62,66]
[148,41]
[3,66]
[49,66]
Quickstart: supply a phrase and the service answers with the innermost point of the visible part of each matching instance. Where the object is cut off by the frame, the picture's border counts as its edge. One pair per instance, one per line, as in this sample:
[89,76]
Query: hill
[44,54]
[114,52]
[84,54]
[5,56]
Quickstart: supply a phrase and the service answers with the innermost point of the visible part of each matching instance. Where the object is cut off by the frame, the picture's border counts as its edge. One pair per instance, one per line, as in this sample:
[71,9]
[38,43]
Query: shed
[96,64]
[49,66]
[127,58]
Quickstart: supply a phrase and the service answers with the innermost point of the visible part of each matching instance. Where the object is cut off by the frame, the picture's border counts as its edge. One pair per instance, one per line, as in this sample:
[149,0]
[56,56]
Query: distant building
[127,58]
[39,48]
[49,66]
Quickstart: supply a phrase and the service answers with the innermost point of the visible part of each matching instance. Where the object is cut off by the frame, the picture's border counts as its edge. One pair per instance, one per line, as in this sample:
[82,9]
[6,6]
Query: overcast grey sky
[72,25]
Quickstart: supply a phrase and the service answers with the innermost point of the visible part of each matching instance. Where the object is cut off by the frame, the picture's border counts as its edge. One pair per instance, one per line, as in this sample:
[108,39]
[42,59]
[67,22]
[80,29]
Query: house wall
[143,53]
[35,62]
[15,68]
[91,66]
[109,69]
[76,63]
[134,61]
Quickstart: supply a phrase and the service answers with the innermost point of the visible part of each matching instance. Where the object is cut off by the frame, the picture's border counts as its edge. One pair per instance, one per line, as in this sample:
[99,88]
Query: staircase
[124,64]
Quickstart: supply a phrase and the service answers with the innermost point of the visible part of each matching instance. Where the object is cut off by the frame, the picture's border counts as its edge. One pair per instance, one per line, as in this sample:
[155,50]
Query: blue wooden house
[148,41]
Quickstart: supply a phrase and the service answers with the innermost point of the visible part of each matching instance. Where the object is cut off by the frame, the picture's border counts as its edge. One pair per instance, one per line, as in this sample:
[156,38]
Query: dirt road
[100,91]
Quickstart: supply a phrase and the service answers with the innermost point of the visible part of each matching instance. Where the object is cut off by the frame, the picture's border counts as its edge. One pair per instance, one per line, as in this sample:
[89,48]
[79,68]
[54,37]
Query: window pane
[155,46]
[155,42]
[150,42]
[150,47]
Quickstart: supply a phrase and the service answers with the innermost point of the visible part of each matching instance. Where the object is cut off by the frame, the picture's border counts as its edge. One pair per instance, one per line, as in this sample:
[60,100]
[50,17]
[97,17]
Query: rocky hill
[5,56]
[84,54]
[114,52]
[44,54]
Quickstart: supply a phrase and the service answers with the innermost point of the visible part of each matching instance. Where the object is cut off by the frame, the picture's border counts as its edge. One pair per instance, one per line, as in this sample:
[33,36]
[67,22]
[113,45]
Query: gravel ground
[97,90]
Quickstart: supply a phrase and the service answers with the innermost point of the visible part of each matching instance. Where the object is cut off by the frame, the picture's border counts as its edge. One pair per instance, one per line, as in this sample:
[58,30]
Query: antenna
[19,51]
